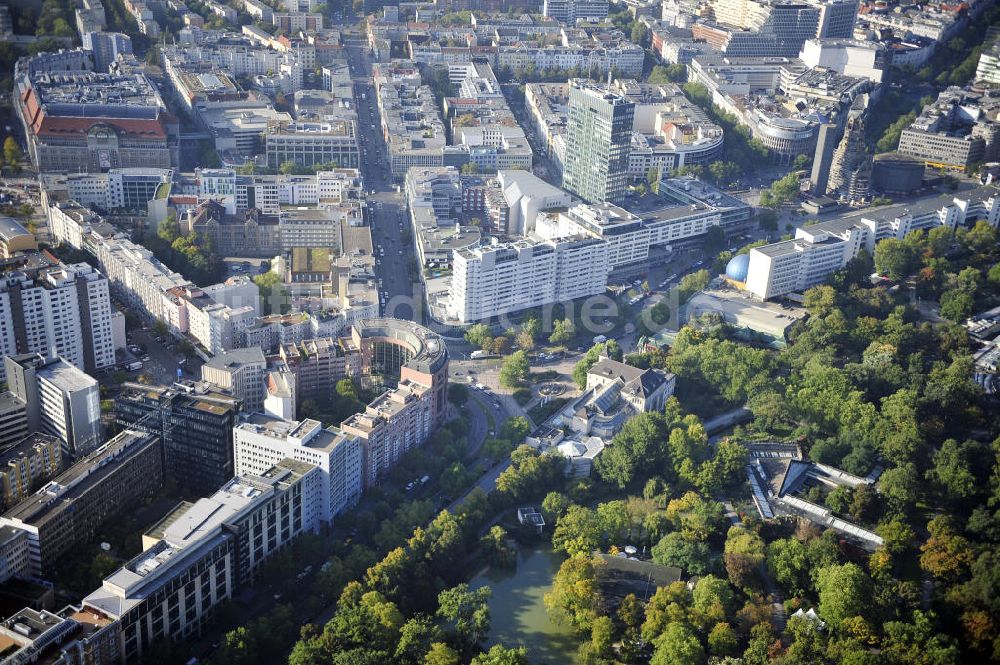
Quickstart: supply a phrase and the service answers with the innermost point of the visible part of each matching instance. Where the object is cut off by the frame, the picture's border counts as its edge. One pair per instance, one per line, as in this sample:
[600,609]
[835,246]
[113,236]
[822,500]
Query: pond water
[517,608]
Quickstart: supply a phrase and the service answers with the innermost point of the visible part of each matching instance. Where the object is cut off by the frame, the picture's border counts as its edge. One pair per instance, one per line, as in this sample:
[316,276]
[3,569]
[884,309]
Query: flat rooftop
[10,402]
[26,446]
[73,482]
[66,376]
[355,239]
[236,358]
[206,514]
[92,94]
[10,228]
[317,437]
[740,309]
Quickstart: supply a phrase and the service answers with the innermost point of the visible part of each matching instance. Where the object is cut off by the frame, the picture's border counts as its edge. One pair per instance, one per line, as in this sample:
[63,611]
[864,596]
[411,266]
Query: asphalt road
[386,207]
[483,418]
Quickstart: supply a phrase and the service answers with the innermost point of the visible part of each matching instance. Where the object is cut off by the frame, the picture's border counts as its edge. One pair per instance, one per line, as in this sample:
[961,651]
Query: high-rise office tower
[826,143]
[598,138]
[836,18]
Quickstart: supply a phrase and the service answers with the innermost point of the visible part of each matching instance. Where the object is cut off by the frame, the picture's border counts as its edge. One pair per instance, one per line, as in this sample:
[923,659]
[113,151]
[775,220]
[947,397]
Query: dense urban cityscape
[467,332]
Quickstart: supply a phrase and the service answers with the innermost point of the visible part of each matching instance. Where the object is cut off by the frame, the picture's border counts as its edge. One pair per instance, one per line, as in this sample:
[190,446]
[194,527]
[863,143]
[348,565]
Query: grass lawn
[541,411]
[522,395]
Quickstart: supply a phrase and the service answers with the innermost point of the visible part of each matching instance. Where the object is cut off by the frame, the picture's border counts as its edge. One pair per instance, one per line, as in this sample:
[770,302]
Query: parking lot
[160,358]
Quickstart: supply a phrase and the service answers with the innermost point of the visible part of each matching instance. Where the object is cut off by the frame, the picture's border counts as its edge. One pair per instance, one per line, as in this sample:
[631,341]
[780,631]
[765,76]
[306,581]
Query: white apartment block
[262,442]
[314,227]
[571,11]
[503,278]
[60,400]
[69,222]
[143,282]
[309,143]
[626,237]
[118,189]
[70,406]
[411,124]
[796,265]
[270,192]
[259,10]
[210,315]
[293,22]
[241,57]
[281,398]
[792,266]
[209,323]
[65,309]
[150,288]
[845,56]
[302,5]
[988,70]
[494,147]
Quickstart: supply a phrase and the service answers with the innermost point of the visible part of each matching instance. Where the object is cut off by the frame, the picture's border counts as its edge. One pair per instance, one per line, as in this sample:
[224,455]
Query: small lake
[517,608]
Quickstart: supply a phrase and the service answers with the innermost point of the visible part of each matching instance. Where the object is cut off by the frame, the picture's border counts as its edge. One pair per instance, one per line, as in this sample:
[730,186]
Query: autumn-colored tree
[947,554]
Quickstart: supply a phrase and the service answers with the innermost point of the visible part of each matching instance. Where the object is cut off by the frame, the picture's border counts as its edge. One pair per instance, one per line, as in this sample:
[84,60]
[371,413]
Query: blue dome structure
[738,267]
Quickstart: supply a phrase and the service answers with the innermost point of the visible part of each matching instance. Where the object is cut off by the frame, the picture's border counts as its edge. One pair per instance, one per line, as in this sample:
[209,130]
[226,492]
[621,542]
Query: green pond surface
[517,608]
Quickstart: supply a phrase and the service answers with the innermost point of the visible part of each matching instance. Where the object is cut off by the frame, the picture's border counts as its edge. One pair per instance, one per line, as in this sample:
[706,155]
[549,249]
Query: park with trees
[865,381]
[188,255]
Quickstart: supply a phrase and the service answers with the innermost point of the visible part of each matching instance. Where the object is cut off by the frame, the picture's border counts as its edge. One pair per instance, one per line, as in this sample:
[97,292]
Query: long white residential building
[817,251]
[261,442]
[269,192]
[795,265]
[143,281]
[503,278]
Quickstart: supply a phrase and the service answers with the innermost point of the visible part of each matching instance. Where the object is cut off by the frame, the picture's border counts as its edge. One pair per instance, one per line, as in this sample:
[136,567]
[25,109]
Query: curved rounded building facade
[410,362]
[784,138]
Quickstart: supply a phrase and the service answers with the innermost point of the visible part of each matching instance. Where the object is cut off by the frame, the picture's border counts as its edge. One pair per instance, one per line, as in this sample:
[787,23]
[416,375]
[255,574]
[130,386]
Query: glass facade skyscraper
[598,139]
[196,428]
